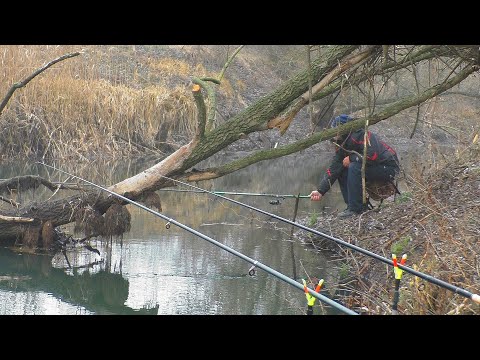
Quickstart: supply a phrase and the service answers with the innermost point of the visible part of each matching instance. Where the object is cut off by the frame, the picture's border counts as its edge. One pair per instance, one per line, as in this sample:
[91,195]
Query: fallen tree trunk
[91,208]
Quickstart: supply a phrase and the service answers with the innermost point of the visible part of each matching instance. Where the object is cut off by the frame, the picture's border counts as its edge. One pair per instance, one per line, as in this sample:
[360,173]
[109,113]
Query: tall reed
[108,102]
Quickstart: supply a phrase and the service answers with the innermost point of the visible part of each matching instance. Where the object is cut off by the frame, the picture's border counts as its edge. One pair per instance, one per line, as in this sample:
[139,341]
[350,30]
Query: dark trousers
[350,181]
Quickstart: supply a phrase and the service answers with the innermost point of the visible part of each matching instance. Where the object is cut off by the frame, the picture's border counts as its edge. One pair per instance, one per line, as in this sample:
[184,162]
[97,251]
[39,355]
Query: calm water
[154,270]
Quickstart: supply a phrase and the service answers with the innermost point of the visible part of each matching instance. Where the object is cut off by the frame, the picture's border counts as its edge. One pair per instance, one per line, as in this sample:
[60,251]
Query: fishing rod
[224,247]
[240,193]
[283,196]
[429,278]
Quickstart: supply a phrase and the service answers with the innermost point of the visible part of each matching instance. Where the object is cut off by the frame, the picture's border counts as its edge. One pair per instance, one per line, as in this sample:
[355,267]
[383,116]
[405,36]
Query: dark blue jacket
[378,152]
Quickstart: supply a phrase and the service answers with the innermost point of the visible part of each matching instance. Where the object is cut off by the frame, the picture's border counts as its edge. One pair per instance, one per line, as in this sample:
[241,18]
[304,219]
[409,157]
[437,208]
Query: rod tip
[476,298]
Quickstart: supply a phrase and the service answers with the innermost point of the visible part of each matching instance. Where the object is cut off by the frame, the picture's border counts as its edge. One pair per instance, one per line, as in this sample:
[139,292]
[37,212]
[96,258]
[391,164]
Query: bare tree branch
[284,120]
[31,77]
[227,64]
[27,182]
[391,110]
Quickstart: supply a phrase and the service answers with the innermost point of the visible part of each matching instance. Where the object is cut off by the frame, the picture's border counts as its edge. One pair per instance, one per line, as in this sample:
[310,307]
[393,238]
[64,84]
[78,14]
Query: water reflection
[170,271]
[30,285]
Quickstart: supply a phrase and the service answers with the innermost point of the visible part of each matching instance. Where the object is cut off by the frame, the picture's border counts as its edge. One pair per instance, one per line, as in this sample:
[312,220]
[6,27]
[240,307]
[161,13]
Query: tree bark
[291,96]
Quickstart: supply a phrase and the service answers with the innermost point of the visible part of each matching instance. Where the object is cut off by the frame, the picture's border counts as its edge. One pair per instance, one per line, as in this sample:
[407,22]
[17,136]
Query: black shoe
[347,213]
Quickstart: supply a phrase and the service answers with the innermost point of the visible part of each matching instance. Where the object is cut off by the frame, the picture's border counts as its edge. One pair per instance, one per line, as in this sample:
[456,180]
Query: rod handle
[476,298]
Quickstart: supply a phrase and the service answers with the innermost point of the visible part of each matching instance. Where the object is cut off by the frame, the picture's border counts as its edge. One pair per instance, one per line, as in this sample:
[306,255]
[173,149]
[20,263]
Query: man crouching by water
[382,166]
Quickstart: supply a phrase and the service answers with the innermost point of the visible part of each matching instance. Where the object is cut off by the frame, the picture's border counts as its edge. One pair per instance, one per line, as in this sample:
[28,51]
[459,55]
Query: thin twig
[227,64]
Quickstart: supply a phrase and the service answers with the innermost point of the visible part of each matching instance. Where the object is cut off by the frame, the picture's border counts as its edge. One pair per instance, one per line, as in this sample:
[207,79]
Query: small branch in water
[64,252]
[92,249]
[89,265]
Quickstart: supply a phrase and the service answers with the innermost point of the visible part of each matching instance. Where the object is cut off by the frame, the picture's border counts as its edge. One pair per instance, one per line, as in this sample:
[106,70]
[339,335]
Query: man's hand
[346,161]
[315,195]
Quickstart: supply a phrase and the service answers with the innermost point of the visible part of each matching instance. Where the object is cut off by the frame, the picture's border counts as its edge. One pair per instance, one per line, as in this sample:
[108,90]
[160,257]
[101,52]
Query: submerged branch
[28,182]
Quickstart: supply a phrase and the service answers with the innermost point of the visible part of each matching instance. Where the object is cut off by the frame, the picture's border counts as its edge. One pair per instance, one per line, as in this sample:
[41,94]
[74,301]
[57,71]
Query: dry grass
[94,105]
[113,101]
[165,67]
[436,225]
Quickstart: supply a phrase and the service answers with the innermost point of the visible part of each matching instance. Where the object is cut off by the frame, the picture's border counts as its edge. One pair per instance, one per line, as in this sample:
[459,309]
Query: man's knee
[355,168]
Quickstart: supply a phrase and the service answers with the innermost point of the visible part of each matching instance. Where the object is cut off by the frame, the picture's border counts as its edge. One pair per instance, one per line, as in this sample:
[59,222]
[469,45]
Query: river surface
[155,270]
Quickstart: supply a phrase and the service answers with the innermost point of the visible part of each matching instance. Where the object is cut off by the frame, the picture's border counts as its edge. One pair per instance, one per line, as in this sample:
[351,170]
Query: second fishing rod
[429,278]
